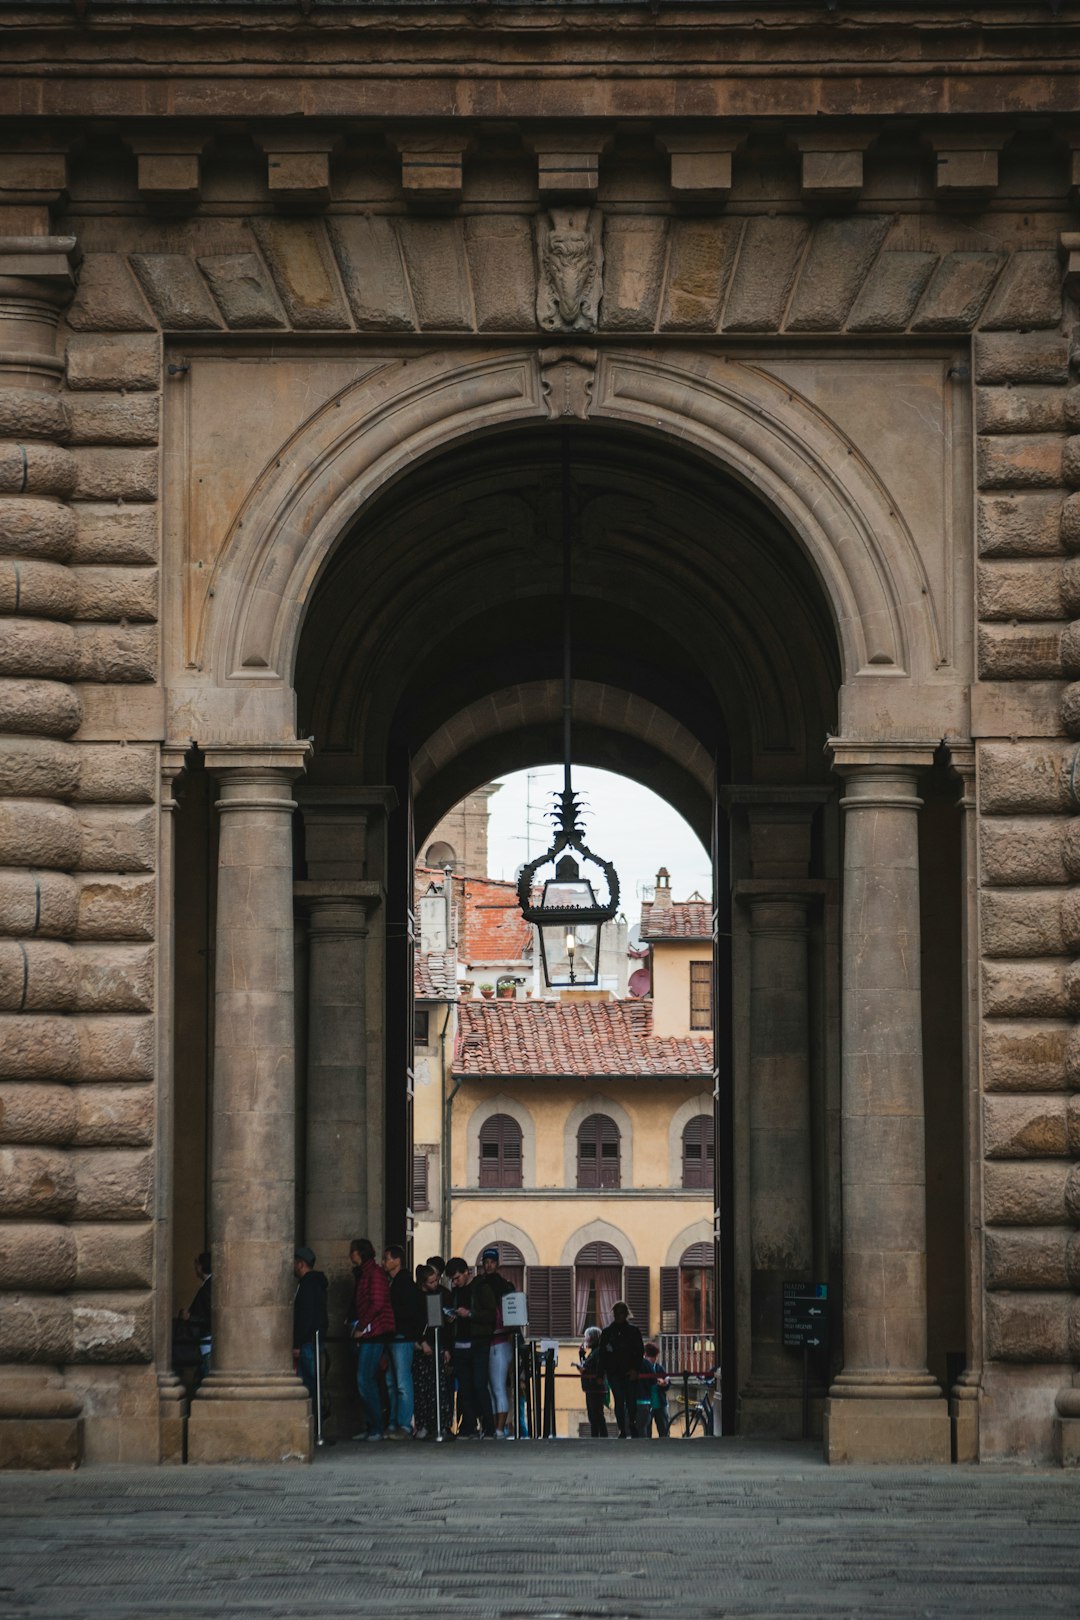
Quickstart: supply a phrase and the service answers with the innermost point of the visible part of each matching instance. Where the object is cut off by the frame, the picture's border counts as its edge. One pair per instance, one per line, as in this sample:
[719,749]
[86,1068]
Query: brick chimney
[662,897]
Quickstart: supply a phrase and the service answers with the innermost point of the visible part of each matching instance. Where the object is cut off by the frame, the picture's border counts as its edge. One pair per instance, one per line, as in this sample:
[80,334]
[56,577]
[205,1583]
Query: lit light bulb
[571,944]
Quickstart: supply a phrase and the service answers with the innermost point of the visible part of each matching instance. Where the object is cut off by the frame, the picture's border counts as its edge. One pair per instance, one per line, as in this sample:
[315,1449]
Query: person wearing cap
[501,1353]
[309,1315]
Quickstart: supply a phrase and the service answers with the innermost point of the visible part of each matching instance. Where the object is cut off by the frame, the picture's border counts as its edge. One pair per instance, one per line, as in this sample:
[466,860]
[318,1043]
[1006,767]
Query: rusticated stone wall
[1028,592]
[78,838]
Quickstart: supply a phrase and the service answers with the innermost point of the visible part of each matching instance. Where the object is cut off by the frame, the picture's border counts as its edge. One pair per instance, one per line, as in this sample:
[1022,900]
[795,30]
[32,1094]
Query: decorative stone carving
[567,376]
[570,269]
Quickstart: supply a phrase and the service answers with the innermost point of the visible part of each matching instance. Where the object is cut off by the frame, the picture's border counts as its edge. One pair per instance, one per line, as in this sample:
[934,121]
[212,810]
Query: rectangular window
[420,1027]
[420,1183]
[701,975]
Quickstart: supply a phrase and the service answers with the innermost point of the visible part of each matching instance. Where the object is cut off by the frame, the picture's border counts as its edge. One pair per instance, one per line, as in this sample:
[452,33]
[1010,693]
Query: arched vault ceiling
[687,594]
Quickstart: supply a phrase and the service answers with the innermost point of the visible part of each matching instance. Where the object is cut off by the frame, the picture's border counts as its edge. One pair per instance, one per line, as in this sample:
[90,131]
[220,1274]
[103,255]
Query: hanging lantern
[569,914]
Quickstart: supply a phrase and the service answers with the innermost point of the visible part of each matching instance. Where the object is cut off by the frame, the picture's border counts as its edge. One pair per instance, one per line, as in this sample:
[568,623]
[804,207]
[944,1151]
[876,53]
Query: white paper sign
[515,1310]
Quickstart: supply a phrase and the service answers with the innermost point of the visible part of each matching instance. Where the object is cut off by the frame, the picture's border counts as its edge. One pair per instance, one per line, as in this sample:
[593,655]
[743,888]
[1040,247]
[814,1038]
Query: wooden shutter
[701,995]
[500,1152]
[698,1147]
[598,1152]
[636,1295]
[420,1183]
[549,1291]
[669,1299]
[598,1254]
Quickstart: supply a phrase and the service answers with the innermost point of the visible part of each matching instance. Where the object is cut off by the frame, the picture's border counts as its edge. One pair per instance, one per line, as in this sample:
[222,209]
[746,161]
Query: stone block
[1034,1257]
[36,833]
[116,773]
[108,474]
[1025,1194]
[36,528]
[37,1115]
[634,248]
[39,1048]
[1034,461]
[1020,357]
[700,260]
[37,767]
[112,1328]
[302,265]
[108,298]
[109,1117]
[116,978]
[115,534]
[36,1254]
[900,1432]
[1022,408]
[1024,922]
[1025,1127]
[47,707]
[769,256]
[252,1431]
[1024,524]
[243,291]
[499,249]
[965,170]
[177,293]
[432,166]
[36,1183]
[114,840]
[36,1327]
[957,292]
[1021,652]
[1025,989]
[113,419]
[28,414]
[1029,1326]
[111,1184]
[128,362]
[36,468]
[1023,778]
[1028,293]
[116,593]
[117,1255]
[434,252]
[40,1444]
[116,1048]
[36,589]
[1070,523]
[37,976]
[37,648]
[117,653]
[42,904]
[835,267]
[369,258]
[889,295]
[1024,1057]
[116,908]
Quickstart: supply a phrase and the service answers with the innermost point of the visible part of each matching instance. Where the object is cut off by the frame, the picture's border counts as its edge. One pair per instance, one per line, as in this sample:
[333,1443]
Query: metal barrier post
[537,1405]
[438,1392]
[318,1392]
[549,1397]
[517,1389]
[686,1402]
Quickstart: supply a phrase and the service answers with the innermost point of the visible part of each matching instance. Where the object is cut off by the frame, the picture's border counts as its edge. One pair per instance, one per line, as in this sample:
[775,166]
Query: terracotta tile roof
[494,929]
[682,919]
[577,1038]
[435,976]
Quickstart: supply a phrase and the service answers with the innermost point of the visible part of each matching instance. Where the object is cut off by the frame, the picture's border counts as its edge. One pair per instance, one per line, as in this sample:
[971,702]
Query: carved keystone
[570,269]
[701,165]
[567,376]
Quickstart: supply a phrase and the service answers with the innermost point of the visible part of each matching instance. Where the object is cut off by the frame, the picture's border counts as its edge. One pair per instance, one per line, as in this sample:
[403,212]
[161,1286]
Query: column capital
[338,909]
[285,757]
[851,755]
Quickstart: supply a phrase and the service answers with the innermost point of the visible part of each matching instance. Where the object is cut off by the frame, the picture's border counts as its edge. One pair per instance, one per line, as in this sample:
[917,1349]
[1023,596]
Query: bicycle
[700,1412]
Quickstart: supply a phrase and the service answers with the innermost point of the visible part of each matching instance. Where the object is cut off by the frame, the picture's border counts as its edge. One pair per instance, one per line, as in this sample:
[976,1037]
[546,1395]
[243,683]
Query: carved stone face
[572,267]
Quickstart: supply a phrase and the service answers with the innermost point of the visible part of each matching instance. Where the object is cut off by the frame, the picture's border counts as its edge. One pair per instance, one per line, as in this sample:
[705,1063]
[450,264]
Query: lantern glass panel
[571,955]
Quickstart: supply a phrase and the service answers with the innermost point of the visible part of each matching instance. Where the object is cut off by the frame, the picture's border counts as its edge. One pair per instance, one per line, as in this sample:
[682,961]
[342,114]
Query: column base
[1067,1427]
[964,1416]
[250,1420]
[40,1422]
[858,1430]
[172,1418]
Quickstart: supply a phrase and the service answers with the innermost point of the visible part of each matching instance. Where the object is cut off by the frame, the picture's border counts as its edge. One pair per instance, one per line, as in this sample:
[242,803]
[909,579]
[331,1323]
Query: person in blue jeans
[374,1318]
[410,1320]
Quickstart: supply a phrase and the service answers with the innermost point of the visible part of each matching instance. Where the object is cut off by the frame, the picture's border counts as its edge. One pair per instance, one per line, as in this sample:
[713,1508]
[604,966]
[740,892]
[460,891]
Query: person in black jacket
[308,1316]
[621,1354]
[410,1320]
[474,1306]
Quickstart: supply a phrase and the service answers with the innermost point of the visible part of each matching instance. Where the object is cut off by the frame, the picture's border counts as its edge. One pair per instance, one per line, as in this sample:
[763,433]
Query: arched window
[597,1282]
[598,1152]
[688,1292]
[511,1262]
[440,855]
[698,1152]
[500,1152]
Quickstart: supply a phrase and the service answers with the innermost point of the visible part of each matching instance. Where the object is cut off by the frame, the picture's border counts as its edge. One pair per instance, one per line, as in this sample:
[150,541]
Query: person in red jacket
[373,1328]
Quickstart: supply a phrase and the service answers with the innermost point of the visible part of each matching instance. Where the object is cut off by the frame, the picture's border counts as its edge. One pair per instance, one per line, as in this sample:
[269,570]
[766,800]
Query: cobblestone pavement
[565,1529]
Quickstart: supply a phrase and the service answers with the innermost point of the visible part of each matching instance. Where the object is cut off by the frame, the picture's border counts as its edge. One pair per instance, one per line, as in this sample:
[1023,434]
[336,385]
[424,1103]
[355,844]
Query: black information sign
[806,1314]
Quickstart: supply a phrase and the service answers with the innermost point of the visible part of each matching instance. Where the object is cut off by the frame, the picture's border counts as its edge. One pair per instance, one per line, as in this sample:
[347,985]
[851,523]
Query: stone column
[885,1406]
[171,1395]
[965,1395]
[252,1407]
[781,1182]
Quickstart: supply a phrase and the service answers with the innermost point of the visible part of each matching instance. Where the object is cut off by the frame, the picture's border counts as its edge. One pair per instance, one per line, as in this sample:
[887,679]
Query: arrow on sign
[811,1341]
[812,1312]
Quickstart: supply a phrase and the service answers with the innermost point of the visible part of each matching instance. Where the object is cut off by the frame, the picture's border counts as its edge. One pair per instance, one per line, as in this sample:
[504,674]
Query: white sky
[625,822]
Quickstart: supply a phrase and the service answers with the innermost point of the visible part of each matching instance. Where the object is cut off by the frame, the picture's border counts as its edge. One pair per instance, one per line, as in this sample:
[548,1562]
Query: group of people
[616,1364]
[392,1322]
